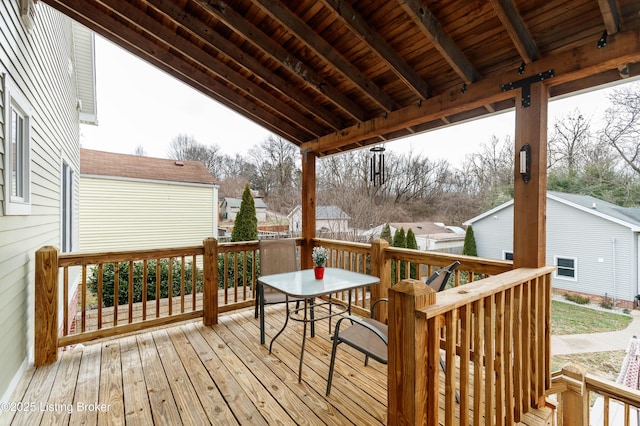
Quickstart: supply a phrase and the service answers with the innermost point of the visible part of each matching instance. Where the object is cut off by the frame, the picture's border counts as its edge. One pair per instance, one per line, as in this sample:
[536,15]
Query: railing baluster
[83,324]
[194,275]
[158,287]
[65,301]
[100,270]
[182,283]
[144,289]
[116,298]
[170,285]
[131,273]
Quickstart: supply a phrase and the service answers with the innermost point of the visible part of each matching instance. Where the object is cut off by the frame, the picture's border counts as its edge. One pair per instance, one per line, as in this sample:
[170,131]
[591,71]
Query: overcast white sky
[141,105]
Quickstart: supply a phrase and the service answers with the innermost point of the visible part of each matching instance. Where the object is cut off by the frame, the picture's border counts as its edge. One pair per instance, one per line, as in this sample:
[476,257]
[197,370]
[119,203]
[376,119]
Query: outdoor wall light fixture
[377,165]
[525,163]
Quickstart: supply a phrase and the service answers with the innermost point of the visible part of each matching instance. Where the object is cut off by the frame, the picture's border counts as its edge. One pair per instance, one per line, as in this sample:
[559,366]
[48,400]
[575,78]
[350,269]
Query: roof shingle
[103,163]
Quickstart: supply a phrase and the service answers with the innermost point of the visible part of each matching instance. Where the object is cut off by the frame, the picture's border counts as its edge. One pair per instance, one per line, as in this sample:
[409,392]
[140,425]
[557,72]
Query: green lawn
[567,318]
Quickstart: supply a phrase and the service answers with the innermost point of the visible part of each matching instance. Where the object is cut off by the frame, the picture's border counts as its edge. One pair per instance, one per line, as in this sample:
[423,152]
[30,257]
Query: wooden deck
[192,374]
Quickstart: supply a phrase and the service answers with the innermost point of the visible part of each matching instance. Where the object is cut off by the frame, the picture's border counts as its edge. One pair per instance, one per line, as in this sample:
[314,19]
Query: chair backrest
[438,281]
[277,256]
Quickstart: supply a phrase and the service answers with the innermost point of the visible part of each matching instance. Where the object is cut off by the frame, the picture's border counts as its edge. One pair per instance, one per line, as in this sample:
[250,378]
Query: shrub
[576,298]
[231,270]
[108,282]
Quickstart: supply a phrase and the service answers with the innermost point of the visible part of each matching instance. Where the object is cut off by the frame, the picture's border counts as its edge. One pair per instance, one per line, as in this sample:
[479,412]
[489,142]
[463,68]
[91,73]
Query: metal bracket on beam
[525,85]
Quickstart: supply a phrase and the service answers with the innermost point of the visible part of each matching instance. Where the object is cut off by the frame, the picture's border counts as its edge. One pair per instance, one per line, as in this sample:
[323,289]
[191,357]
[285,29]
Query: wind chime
[377,165]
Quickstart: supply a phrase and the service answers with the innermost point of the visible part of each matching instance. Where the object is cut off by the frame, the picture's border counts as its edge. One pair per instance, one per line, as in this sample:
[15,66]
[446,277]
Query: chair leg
[333,361]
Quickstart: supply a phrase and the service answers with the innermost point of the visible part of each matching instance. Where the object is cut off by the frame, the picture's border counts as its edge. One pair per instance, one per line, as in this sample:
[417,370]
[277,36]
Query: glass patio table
[303,285]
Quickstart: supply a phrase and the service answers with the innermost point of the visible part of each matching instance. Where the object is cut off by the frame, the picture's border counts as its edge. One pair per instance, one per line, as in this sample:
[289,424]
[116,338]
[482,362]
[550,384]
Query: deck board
[192,374]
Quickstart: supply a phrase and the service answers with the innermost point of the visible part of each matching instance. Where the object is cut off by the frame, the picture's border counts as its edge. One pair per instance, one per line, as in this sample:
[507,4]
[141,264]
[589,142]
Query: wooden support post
[574,403]
[308,208]
[381,268]
[530,199]
[46,306]
[407,370]
[210,290]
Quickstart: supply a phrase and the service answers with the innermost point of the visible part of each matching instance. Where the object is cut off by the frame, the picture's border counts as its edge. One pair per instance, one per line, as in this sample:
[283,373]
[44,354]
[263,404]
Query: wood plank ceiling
[335,75]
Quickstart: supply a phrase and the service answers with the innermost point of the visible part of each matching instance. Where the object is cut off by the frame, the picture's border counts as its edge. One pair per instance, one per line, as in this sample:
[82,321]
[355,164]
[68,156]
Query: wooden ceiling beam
[215,41]
[431,28]
[94,17]
[359,27]
[578,63]
[610,15]
[324,50]
[158,31]
[513,23]
[225,13]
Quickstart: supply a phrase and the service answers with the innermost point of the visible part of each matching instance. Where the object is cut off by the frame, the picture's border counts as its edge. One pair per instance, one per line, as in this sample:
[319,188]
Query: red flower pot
[319,272]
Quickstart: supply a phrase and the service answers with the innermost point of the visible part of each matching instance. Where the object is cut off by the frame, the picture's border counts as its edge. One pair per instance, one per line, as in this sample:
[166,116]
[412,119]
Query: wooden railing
[493,338]
[585,399]
[116,291]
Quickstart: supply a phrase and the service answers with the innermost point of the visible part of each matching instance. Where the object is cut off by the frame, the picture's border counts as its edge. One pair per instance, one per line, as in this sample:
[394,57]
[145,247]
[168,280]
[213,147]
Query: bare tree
[569,143]
[185,147]
[139,150]
[622,124]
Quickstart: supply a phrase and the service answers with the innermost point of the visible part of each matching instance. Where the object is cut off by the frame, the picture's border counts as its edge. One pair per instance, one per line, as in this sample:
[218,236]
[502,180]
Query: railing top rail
[79,259]
[238,246]
[342,244]
[454,298]
[489,266]
[612,389]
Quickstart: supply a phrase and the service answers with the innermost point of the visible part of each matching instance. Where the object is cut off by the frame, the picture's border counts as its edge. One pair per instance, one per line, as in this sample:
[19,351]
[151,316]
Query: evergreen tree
[399,240]
[386,233]
[412,244]
[245,227]
[469,247]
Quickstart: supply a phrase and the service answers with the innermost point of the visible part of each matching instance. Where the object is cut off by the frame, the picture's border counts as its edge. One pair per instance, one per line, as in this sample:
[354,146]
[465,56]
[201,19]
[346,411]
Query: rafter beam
[610,15]
[513,23]
[225,13]
[358,25]
[320,47]
[158,31]
[215,41]
[103,21]
[431,28]
[578,63]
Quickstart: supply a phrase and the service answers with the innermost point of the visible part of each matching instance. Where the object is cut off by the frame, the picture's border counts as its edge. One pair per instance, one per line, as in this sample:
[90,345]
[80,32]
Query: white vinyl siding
[121,214]
[36,64]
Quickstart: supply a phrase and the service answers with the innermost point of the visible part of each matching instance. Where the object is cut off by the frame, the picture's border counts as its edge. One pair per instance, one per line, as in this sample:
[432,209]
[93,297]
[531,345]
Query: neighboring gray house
[593,243]
[47,89]
[229,208]
[330,220]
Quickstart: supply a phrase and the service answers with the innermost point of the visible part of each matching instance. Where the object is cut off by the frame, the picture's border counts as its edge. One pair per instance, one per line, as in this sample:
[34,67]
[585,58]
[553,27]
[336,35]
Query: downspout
[613,249]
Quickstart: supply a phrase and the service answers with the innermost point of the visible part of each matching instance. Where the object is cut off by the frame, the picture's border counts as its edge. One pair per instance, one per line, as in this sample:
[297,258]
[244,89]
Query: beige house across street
[130,201]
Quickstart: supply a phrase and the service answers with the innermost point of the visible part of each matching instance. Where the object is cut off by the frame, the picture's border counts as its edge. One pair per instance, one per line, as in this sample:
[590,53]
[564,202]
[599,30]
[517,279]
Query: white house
[47,82]
[229,208]
[594,244]
[330,220]
[135,202]
[430,236]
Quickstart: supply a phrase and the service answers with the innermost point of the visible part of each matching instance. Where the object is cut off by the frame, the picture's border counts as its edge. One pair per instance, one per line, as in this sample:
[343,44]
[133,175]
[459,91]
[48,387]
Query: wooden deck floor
[195,375]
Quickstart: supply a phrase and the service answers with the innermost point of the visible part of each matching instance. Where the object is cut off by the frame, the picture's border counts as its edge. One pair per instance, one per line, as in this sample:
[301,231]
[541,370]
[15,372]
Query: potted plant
[319,256]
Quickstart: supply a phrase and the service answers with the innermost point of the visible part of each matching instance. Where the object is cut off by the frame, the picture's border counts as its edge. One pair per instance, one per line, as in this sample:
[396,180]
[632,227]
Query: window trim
[564,277]
[67,221]
[14,100]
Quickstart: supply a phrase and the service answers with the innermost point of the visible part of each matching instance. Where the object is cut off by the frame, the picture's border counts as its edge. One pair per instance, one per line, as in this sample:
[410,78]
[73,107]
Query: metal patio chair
[276,256]
[371,337]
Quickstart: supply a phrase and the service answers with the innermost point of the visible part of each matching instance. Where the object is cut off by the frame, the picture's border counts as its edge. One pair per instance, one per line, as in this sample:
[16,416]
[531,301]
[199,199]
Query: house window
[17,165]
[67,208]
[567,268]
[507,255]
